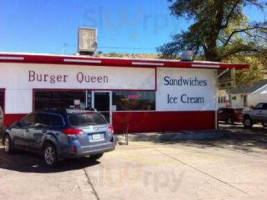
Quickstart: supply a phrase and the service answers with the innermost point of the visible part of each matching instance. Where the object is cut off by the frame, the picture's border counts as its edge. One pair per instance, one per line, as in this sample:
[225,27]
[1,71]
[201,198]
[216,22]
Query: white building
[247,96]
[135,95]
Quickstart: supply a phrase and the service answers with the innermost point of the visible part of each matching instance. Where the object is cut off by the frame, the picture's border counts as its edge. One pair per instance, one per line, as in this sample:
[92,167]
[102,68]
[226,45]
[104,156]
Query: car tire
[230,120]
[247,122]
[50,155]
[96,157]
[8,145]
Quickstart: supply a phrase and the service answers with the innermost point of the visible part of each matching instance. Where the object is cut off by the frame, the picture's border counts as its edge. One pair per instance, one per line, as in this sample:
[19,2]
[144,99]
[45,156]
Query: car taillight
[110,129]
[73,131]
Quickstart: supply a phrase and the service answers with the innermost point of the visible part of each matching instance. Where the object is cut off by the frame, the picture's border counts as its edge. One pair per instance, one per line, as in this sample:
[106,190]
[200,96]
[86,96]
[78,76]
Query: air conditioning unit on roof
[187,55]
[87,41]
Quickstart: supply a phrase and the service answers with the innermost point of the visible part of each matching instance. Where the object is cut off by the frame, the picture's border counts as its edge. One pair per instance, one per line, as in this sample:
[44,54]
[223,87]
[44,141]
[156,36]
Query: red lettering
[31,76]
[65,78]
[105,79]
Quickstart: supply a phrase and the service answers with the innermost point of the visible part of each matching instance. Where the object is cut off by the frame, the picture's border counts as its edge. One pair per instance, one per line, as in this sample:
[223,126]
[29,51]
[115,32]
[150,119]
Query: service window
[45,100]
[134,100]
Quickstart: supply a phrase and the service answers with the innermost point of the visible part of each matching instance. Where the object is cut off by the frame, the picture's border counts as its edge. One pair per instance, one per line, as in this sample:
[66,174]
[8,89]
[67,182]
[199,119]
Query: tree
[255,72]
[220,29]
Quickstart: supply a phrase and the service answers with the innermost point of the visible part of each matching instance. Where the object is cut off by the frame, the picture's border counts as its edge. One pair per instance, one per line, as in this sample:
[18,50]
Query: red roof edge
[122,62]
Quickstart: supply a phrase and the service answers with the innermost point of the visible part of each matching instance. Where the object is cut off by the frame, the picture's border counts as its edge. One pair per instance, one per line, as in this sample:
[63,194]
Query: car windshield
[85,119]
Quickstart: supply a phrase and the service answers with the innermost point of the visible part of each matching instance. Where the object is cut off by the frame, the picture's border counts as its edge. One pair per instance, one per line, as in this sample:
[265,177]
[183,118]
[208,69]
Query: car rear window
[85,119]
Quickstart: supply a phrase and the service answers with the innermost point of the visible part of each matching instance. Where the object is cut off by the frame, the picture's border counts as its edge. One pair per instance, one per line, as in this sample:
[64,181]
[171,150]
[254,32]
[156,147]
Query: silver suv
[258,114]
[61,134]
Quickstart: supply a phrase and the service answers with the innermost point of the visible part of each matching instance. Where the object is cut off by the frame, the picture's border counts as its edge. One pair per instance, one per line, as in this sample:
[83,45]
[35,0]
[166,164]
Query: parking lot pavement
[223,169]
[239,127]
[23,176]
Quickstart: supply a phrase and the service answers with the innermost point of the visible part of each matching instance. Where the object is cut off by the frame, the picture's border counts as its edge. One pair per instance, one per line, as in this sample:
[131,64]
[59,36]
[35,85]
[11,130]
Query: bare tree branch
[230,15]
[240,31]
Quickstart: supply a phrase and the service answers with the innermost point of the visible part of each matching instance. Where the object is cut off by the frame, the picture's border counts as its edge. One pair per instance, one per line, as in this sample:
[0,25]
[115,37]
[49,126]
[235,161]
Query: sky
[124,26]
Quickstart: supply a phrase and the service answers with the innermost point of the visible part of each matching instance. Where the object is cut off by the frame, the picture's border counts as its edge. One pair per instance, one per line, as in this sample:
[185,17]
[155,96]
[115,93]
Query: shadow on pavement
[32,163]
[238,138]
[229,136]
[243,142]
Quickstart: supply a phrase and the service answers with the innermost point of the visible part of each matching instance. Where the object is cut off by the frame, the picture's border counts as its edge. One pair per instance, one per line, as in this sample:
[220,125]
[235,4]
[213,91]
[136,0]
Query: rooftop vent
[87,41]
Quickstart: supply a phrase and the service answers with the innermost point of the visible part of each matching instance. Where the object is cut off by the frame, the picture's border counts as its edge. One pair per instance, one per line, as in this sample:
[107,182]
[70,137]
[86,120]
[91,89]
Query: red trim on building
[11,118]
[133,122]
[163,121]
[114,62]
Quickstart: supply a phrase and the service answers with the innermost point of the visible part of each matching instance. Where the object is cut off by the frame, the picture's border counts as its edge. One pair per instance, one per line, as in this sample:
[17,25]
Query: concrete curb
[170,137]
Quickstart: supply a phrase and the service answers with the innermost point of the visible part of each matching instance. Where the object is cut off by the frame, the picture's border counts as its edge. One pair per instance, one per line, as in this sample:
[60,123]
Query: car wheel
[8,147]
[50,155]
[247,122]
[264,124]
[230,120]
[96,157]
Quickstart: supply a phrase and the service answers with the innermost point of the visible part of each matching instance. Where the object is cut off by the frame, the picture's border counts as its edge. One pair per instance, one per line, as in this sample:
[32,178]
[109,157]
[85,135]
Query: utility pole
[64,48]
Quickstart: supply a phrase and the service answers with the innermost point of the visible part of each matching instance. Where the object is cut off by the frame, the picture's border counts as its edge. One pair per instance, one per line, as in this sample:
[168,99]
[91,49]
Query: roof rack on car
[52,110]
[81,110]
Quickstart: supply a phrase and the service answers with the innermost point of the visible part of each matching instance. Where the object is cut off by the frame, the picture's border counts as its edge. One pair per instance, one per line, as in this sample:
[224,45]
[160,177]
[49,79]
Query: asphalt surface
[230,168]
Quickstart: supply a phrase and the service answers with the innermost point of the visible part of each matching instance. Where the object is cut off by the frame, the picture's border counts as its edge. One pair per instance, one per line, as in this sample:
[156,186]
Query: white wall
[254,99]
[199,94]
[262,90]
[238,102]
[18,80]
[174,97]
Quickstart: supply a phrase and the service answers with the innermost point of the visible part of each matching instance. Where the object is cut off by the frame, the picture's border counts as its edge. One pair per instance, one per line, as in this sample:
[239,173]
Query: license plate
[97,137]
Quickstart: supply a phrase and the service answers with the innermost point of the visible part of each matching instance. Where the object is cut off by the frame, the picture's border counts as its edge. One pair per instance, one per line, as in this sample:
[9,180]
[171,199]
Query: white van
[1,118]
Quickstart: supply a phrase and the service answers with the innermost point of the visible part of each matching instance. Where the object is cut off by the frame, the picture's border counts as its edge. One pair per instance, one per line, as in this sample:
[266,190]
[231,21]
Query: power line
[113,47]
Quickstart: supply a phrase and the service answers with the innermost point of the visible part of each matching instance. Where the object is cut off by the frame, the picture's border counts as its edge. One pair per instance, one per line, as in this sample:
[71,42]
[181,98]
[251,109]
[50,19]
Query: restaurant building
[135,95]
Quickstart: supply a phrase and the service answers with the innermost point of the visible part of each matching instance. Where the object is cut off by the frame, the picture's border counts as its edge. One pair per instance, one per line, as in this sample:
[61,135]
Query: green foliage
[220,29]
[248,77]
[254,74]
[115,55]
